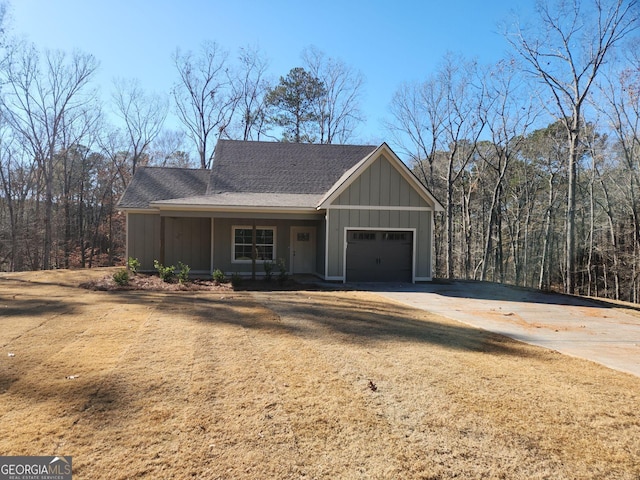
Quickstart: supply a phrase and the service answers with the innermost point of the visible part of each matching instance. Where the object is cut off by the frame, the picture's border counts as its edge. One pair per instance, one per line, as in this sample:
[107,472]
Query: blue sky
[390,42]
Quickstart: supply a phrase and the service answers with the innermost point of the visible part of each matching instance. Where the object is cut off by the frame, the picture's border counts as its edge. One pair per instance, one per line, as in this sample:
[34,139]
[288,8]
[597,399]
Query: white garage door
[379,256]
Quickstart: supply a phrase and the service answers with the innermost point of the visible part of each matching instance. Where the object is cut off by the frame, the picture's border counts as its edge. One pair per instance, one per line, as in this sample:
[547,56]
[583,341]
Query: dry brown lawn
[294,384]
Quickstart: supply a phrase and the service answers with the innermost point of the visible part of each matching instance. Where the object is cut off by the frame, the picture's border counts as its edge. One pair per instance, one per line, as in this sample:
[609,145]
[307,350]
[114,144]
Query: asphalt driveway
[596,331]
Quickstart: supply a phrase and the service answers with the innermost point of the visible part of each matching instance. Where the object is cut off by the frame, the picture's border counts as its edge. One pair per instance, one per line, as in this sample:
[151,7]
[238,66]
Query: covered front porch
[207,241]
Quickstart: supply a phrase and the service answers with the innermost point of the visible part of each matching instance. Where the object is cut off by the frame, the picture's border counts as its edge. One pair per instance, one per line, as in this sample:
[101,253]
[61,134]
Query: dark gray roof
[248,167]
[277,167]
[151,184]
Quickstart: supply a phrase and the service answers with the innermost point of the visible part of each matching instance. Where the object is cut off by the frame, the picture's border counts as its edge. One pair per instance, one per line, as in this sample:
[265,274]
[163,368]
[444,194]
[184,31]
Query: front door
[303,249]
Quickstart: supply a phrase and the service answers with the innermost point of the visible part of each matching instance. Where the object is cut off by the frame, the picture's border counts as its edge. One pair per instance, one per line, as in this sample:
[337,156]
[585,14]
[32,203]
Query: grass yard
[294,384]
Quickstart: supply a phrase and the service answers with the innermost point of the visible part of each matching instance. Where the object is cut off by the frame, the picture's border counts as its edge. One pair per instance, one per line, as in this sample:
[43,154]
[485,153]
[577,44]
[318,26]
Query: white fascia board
[234,208]
[383,207]
[147,211]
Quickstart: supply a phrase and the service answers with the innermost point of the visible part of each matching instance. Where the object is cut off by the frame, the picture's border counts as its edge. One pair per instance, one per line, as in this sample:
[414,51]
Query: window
[243,241]
[363,236]
[394,236]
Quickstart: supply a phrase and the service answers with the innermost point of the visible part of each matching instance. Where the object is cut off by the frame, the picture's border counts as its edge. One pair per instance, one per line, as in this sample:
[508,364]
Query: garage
[379,256]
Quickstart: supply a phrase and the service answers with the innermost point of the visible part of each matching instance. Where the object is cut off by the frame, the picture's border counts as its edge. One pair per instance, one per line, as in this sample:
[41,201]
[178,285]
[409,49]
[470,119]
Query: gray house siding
[380,198]
[223,241]
[188,240]
[143,238]
[418,221]
[381,185]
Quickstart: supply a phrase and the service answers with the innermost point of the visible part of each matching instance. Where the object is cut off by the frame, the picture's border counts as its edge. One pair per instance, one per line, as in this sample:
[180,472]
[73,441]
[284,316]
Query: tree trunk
[490,228]
[449,221]
[590,282]
[547,232]
[48,214]
[467,229]
[574,137]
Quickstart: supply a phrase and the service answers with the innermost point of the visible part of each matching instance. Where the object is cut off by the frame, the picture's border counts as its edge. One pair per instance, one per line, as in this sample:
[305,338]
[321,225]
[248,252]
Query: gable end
[380,181]
[380,185]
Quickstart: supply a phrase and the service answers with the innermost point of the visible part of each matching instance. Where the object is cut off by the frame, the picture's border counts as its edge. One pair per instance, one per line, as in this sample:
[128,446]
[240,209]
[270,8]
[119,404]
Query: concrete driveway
[596,331]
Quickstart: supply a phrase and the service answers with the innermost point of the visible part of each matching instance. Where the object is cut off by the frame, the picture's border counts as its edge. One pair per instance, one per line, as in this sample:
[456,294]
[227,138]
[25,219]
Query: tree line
[534,158]
[64,164]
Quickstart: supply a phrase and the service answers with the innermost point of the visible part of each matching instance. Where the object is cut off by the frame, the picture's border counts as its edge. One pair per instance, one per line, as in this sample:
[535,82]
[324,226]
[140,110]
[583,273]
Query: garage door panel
[362,254]
[379,256]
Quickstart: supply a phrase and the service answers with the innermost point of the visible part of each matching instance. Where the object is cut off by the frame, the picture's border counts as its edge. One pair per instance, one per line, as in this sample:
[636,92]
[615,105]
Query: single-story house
[342,212]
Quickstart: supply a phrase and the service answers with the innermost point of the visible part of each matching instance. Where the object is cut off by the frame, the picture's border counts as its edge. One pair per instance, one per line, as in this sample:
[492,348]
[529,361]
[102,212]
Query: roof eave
[233,208]
[137,209]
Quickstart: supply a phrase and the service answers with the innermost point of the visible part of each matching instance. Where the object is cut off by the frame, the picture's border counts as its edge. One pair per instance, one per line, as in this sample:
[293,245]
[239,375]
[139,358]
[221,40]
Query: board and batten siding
[381,185]
[188,240]
[143,238]
[380,198]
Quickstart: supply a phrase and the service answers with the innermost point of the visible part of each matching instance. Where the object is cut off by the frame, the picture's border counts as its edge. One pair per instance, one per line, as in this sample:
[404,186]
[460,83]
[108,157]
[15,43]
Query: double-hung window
[243,244]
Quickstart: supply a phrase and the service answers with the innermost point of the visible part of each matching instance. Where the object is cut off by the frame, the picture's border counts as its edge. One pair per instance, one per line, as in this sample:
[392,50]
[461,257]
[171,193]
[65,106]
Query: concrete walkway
[596,331]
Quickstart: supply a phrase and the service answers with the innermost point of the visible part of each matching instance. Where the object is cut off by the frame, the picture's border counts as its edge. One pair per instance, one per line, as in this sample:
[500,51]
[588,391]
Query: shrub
[236,280]
[166,273]
[268,269]
[133,264]
[282,267]
[218,276]
[121,277]
[183,272]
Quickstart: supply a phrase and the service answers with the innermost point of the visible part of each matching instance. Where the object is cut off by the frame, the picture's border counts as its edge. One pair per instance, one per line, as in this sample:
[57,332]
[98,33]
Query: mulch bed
[143,281]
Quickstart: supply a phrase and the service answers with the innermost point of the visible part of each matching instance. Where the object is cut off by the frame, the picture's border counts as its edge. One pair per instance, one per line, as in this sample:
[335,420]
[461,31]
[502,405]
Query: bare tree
[204,99]
[461,128]
[620,104]
[566,52]
[250,90]
[438,123]
[508,115]
[418,111]
[71,178]
[17,175]
[143,116]
[338,110]
[168,150]
[113,145]
[42,99]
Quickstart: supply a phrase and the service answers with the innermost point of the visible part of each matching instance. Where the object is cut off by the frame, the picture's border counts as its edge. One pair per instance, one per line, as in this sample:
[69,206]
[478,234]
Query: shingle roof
[276,167]
[241,167]
[151,184]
